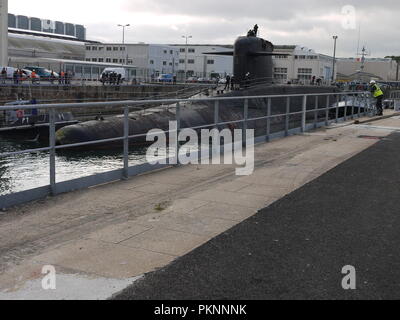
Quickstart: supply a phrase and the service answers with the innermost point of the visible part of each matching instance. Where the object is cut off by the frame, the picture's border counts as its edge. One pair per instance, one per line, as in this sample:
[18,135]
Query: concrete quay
[104,239]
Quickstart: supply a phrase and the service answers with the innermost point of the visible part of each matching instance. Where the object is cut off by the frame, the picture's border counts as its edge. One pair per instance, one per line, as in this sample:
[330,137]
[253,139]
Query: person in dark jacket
[228,82]
[3,75]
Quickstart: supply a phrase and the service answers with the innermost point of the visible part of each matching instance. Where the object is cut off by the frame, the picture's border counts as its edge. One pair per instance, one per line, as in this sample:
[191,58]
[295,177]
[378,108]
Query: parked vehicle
[169,78]
[192,80]
[43,73]
[118,71]
[26,74]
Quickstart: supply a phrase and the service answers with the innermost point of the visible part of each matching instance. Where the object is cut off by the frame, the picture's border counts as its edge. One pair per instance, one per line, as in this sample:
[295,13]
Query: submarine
[253,70]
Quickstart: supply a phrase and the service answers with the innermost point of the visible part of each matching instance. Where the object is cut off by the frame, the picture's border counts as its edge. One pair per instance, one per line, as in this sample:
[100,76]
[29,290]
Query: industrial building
[353,69]
[199,61]
[151,60]
[301,64]
[48,26]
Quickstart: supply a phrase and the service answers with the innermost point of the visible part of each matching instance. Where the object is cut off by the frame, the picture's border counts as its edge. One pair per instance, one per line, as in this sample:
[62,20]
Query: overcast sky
[310,23]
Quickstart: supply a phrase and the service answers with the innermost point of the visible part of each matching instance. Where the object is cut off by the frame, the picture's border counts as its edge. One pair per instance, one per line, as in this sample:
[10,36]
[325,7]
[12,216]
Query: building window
[108,59]
[171,52]
[109,49]
[121,60]
[101,48]
[280,76]
[130,61]
[88,48]
[101,60]
[164,63]
[165,51]
[115,60]
[87,59]
[122,48]
[280,70]
[94,48]
[280,73]
[280,57]
[191,61]
[182,50]
[191,50]
[115,48]
[181,60]
[304,77]
[210,61]
[170,64]
[151,61]
[94,59]
[305,71]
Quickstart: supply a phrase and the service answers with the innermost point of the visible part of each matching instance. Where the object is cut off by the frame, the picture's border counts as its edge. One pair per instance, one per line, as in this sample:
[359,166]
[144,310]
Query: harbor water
[27,171]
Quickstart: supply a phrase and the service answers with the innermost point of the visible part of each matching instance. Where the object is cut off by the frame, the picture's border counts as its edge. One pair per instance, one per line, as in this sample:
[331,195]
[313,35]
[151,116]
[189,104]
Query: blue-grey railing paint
[55,187]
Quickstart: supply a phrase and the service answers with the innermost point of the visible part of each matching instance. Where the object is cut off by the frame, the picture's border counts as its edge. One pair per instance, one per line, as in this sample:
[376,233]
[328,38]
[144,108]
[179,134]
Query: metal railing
[353,105]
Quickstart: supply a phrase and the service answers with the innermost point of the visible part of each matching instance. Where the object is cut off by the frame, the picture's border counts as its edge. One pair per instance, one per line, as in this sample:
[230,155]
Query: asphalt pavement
[297,247]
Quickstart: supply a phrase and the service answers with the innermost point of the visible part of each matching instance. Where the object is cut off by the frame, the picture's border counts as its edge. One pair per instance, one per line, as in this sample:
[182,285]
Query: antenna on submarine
[364,53]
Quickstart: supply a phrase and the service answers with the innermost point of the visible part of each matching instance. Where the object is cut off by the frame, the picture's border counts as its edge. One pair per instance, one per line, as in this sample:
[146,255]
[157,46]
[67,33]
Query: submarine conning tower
[253,60]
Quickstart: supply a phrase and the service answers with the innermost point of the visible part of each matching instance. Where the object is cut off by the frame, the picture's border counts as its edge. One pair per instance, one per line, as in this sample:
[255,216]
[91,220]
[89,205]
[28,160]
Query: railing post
[352,106]
[287,116]
[126,143]
[52,141]
[178,129]
[316,112]
[216,113]
[269,113]
[345,108]
[337,108]
[327,110]
[245,118]
[304,115]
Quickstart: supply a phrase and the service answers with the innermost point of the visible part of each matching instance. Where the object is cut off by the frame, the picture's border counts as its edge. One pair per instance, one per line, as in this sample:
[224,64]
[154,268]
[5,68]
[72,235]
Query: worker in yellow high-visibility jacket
[378,95]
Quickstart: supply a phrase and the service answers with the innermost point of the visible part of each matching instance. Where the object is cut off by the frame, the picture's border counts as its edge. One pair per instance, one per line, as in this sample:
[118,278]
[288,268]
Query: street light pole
[123,31]
[186,54]
[334,58]
[123,38]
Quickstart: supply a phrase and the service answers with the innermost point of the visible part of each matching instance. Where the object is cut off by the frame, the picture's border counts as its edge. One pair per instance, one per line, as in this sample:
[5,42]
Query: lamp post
[334,58]
[123,26]
[123,31]
[186,54]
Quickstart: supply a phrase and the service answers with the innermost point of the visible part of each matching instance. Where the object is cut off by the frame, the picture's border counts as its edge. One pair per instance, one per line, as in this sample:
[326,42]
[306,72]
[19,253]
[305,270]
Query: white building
[301,64]
[350,69]
[151,60]
[200,62]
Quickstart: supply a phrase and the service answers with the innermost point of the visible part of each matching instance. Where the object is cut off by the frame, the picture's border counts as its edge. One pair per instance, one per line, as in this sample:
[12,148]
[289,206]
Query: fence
[395,97]
[336,107]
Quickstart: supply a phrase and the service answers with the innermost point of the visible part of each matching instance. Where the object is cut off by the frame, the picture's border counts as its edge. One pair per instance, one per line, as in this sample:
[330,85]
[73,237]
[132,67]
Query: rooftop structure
[47,26]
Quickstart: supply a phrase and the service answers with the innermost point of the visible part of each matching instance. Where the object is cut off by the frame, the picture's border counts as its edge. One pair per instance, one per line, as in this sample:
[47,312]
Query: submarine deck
[102,239]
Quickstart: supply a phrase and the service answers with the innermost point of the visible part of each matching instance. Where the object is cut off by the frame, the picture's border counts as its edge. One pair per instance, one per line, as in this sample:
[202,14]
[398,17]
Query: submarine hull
[196,114]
